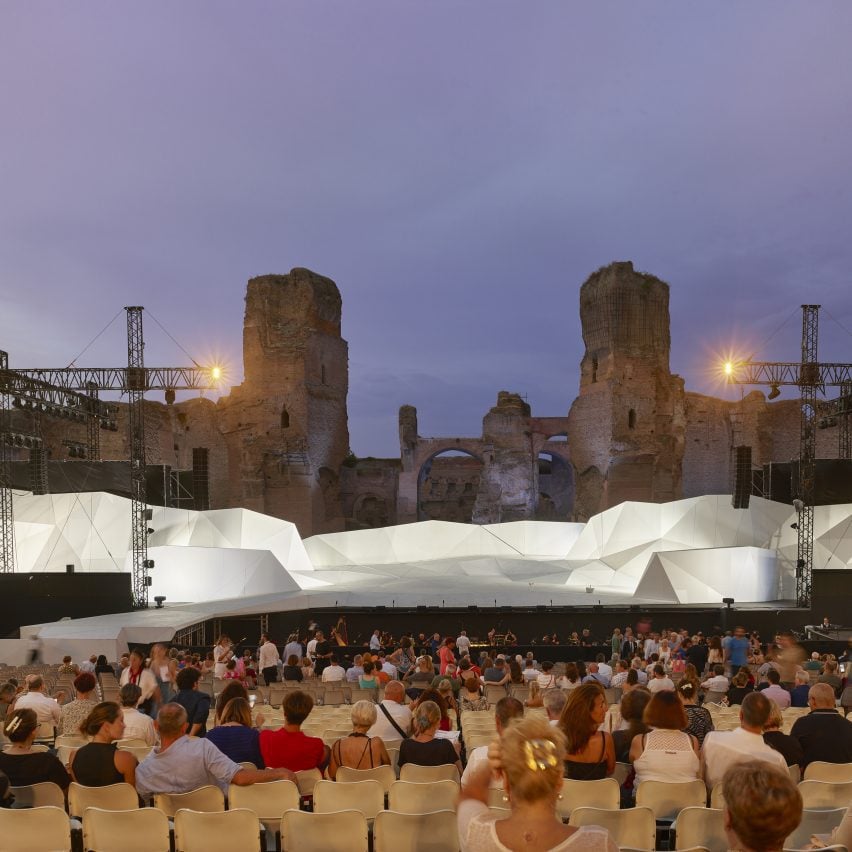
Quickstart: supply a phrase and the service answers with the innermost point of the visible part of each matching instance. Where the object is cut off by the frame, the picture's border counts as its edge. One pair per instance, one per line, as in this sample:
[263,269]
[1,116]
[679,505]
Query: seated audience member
[762,807]
[292,670]
[22,765]
[231,690]
[553,701]
[89,665]
[530,671]
[333,672]
[368,678]
[47,709]
[102,666]
[183,763]
[235,735]
[775,691]
[830,676]
[470,695]
[530,760]
[7,696]
[307,668]
[423,748]
[740,687]
[724,749]
[68,667]
[660,682]
[433,695]
[99,762]
[393,719]
[596,676]
[590,753]
[137,726]
[288,747]
[193,700]
[666,752]
[358,750]
[419,677]
[506,710]
[535,698]
[632,712]
[799,693]
[74,712]
[781,742]
[631,682]
[823,733]
[621,668]
[355,670]
[445,691]
[699,720]
[497,673]
[717,683]
[546,678]
[451,676]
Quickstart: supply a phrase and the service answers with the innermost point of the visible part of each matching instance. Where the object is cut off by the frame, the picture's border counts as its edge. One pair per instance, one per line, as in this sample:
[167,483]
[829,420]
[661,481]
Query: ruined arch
[555,486]
[447,485]
[371,511]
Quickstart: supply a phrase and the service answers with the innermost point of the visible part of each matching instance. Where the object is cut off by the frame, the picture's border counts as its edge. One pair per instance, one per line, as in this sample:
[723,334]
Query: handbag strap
[392,721]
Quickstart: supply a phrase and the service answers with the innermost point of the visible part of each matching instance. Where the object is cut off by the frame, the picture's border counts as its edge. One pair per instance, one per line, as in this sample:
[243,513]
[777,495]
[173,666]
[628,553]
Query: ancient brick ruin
[279,442]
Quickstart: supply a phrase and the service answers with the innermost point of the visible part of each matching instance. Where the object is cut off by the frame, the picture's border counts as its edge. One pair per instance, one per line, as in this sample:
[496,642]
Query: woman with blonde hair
[529,759]
[774,737]
[423,748]
[357,750]
[590,753]
[534,699]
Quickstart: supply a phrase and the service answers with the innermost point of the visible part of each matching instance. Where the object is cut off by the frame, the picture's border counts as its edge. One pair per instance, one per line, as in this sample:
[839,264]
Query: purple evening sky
[458,168]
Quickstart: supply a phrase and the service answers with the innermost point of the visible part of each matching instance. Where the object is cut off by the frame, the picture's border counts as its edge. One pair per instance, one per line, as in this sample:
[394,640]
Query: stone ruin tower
[627,427]
[286,426]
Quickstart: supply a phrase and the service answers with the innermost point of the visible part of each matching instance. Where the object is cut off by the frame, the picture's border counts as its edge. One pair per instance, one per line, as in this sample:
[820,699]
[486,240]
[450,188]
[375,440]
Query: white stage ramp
[232,561]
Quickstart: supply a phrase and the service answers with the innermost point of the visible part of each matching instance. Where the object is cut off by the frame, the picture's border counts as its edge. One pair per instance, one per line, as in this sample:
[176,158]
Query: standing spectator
[790,657]
[736,654]
[288,747]
[615,643]
[463,643]
[629,645]
[137,726]
[311,647]
[74,712]
[99,763]
[823,733]
[143,678]
[164,668]
[697,654]
[376,641]
[267,660]
[322,652]
[403,657]
[193,700]
[700,722]
[293,648]
[783,743]
[222,652]
[446,654]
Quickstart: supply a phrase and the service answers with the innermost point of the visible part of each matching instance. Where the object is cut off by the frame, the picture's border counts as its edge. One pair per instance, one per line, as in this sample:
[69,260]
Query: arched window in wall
[631,419]
[285,418]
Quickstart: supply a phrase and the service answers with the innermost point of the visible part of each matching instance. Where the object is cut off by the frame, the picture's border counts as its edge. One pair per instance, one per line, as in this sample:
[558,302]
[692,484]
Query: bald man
[823,734]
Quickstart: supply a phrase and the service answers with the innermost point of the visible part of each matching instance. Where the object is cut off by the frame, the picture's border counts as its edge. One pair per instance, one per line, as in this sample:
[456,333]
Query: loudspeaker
[69,569]
[742,478]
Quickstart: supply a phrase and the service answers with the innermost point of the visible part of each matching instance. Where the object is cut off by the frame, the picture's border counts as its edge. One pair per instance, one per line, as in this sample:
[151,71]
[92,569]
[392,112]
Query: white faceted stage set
[232,561]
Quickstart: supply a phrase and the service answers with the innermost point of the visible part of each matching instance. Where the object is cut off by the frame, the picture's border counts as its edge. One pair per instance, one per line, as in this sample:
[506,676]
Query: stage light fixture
[158,599]
[774,392]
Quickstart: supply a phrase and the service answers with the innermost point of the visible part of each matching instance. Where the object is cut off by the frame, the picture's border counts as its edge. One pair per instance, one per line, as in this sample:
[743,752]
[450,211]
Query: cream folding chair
[306,780]
[717,798]
[667,799]
[814,822]
[342,831]
[699,826]
[132,742]
[435,832]
[819,770]
[383,774]
[825,794]
[199,831]
[268,800]
[635,827]
[43,794]
[36,829]
[208,799]
[411,797]
[70,740]
[140,830]
[442,772]
[796,774]
[603,793]
[113,797]
[622,772]
[365,796]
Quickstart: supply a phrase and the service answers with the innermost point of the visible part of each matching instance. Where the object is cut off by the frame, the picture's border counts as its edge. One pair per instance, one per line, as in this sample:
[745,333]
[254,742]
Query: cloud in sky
[458,169]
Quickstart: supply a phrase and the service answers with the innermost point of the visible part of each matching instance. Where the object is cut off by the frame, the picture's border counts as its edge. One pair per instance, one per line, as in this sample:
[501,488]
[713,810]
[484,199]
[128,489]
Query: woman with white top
[666,752]
[223,652]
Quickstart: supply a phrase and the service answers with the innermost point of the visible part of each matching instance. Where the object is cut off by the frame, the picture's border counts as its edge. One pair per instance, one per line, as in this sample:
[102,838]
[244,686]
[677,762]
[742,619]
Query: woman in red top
[446,654]
[288,747]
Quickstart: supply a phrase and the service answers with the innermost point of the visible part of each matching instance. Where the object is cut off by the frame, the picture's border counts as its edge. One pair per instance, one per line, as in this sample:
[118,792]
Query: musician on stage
[223,652]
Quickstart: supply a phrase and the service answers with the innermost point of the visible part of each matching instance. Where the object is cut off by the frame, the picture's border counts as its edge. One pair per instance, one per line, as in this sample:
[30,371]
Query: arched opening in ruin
[555,488]
[631,419]
[371,511]
[447,486]
[285,418]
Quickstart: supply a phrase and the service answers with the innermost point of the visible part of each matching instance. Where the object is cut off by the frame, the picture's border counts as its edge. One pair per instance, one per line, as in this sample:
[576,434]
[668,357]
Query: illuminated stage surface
[233,562]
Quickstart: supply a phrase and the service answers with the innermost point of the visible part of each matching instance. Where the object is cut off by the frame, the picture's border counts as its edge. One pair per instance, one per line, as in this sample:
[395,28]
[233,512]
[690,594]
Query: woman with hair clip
[99,762]
[528,756]
[20,762]
[423,748]
[699,720]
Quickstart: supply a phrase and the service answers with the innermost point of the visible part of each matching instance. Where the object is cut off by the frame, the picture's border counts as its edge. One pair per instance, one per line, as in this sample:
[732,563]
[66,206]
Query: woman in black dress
[22,765]
[423,748]
[99,762]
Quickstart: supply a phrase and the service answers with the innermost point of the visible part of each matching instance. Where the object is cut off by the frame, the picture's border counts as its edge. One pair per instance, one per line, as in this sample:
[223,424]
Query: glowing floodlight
[728,368]
[216,373]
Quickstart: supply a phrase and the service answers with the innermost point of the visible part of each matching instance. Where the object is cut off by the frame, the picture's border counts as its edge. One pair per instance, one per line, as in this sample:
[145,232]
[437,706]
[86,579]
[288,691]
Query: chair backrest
[819,770]
[365,796]
[306,780]
[442,772]
[825,794]
[814,822]
[603,793]
[383,774]
[268,799]
[113,797]
[622,772]
[43,794]
[36,829]
[795,772]
[198,831]
[713,697]
[635,827]
[698,826]
[411,797]
[208,799]
[435,832]
[717,798]
[667,799]
[139,830]
[341,831]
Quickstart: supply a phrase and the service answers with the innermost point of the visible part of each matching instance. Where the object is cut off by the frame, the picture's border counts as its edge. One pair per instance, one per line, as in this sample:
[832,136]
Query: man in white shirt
[89,665]
[267,659]
[717,683]
[394,705]
[651,646]
[376,640]
[293,648]
[137,726]
[312,646]
[47,709]
[604,667]
[505,710]
[620,676]
[333,673]
[387,667]
[724,749]
[530,672]
[659,682]
[463,643]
